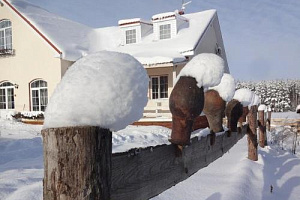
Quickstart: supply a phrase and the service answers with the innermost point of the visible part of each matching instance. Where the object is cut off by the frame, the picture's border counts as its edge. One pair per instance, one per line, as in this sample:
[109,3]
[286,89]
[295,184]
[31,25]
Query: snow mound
[244,96]
[255,100]
[262,107]
[106,89]
[226,88]
[298,109]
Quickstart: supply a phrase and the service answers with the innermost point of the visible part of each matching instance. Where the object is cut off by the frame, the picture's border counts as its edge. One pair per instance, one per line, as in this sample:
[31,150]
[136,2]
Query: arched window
[5,35]
[7,99]
[39,95]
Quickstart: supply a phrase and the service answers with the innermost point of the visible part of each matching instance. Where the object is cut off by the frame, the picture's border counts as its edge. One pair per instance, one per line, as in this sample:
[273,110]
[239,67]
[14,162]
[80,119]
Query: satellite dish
[183,6]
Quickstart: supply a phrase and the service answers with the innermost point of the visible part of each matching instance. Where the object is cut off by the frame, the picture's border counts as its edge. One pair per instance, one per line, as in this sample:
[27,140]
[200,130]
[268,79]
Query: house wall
[33,59]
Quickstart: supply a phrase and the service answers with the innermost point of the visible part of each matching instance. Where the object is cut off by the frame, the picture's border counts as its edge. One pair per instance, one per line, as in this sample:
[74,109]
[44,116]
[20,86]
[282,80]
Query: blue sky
[262,37]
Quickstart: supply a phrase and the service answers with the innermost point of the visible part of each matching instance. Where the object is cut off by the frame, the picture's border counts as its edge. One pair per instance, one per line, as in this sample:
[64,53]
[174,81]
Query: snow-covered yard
[232,176]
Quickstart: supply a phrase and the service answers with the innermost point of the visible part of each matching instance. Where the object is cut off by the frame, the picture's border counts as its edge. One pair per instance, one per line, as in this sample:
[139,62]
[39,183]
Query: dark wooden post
[262,128]
[252,134]
[269,121]
[233,111]
[214,107]
[186,103]
[77,163]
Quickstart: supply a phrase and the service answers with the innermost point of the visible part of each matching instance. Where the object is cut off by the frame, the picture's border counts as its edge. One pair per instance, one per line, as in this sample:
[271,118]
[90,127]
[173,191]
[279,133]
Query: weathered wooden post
[77,163]
[262,127]
[214,107]
[269,120]
[233,111]
[252,134]
[77,150]
[186,103]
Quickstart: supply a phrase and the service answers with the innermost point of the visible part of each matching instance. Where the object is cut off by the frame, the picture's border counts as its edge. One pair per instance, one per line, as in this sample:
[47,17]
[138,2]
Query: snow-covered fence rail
[144,173]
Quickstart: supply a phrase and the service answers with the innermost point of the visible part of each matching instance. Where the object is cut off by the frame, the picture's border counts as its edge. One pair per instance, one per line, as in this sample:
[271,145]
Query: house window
[159,87]
[165,31]
[7,98]
[130,36]
[39,95]
[5,35]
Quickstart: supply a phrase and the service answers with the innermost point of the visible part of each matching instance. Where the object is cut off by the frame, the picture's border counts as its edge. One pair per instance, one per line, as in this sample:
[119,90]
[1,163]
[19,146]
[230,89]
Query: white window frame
[164,31]
[5,38]
[5,86]
[41,107]
[130,36]
[159,88]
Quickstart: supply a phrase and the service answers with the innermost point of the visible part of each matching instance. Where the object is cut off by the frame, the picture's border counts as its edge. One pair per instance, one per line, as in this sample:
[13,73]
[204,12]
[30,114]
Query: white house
[37,47]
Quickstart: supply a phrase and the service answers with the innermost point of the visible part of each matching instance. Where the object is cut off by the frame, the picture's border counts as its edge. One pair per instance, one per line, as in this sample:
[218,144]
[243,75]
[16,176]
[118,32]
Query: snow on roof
[162,16]
[243,95]
[76,40]
[70,37]
[206,68]
[150,52]
[105,89]
[226,88]
[132,21]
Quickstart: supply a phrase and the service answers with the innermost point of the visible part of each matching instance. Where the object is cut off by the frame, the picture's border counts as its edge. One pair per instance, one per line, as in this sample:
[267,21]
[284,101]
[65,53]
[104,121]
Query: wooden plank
[144,173]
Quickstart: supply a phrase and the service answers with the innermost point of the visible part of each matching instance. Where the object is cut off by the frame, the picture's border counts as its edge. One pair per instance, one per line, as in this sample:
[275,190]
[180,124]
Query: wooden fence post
[269,121]
[252,135]
[262,128]
[77,163]
[233,111]
[186,103]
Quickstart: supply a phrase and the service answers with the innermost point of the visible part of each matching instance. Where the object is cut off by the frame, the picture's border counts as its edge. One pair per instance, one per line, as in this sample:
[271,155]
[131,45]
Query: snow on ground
[232,176]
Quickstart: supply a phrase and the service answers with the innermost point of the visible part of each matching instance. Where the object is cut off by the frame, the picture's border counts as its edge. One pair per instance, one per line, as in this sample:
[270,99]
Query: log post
[186,103]
[242,118]
[214,107]
[269,121]
[262,128]
[252,135]
[233,111]
[77,163]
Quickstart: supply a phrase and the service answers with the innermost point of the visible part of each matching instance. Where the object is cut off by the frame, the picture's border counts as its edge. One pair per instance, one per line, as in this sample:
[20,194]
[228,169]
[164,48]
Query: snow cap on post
[262,107]
[106,89]
[206,68]
[243,95]
[226,88]
[298,109]
[255,101]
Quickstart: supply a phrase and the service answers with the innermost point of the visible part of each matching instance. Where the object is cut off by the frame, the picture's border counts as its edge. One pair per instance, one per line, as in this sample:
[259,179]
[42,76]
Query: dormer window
[131,36]
[165,31]
[133,30]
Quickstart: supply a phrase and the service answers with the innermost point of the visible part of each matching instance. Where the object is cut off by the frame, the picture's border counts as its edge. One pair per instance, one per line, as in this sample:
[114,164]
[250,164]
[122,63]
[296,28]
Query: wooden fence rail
[144,173]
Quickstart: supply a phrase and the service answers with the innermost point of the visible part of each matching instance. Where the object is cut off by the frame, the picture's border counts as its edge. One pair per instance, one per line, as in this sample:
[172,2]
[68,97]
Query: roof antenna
[181,12]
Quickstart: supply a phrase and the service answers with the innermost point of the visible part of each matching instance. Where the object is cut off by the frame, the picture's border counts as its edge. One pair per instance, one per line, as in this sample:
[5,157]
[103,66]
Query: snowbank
[244,96]
[226,88]
[105,89]
[206,68]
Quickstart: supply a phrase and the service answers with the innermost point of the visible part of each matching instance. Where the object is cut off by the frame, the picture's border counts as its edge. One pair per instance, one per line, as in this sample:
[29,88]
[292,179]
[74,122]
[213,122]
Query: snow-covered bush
[280,95]
[105,89]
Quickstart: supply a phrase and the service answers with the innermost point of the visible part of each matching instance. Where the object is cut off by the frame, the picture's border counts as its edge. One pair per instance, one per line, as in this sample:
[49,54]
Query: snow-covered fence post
[215,103]
[186,103]
[233,111]
[187,98]
[252,134]
[77,163]
[214,107]
[100,92]
[261,126]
